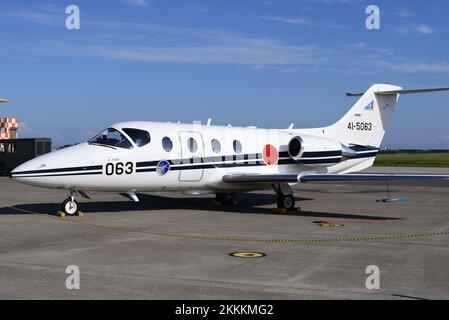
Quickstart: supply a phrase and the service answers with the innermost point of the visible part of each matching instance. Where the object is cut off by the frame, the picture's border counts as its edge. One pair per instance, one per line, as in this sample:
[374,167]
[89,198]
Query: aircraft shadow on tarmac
[247,204]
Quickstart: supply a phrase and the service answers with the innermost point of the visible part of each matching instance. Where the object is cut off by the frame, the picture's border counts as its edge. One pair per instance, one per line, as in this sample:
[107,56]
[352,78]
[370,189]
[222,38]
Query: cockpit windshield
[140,137]
[111,137]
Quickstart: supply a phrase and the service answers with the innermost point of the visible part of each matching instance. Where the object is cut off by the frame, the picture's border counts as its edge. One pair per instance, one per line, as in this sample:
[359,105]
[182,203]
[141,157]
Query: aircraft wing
[260,178]
[292,178]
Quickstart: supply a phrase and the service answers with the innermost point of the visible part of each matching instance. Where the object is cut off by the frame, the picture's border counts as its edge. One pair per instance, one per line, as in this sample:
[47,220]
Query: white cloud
[405,14]
[299,21]
[144,42]
[45,15]
[403,30]
[136,3]
[421,28]
[230,53]
[424,29]
[334,1]
[417,67]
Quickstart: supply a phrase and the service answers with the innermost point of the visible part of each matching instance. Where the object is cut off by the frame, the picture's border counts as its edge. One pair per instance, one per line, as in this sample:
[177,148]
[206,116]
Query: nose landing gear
[70,205]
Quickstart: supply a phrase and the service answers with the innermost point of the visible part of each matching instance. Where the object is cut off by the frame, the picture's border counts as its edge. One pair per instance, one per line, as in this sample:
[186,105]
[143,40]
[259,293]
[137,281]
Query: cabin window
[216,146]
[192,145]
[237,146]
[111,137]
[140,137]
[167,144]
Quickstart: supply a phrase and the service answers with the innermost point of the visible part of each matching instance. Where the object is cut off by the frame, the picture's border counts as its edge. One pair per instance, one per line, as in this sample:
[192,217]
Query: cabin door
[192,150]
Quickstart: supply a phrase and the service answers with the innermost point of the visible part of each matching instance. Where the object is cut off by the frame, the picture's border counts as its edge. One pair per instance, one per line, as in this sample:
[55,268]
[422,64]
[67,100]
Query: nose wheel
[70,206]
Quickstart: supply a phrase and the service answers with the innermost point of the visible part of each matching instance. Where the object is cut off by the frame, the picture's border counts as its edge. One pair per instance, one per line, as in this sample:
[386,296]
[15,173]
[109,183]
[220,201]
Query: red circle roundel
[270,155]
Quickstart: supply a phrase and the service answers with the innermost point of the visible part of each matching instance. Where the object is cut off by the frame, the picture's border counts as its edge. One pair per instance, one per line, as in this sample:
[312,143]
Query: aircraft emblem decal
[162,167]
[370,106]
[270,155]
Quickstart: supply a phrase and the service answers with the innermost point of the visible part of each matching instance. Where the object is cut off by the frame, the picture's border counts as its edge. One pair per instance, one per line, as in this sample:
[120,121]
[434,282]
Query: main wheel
[69,206]
[227,198]
[286,202]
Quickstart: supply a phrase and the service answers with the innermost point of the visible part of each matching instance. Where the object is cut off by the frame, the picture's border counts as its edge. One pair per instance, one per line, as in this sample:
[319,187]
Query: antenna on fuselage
[291,126]
[209,121]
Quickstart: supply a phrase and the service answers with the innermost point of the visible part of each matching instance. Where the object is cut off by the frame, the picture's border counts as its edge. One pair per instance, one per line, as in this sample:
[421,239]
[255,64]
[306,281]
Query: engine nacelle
[315,151]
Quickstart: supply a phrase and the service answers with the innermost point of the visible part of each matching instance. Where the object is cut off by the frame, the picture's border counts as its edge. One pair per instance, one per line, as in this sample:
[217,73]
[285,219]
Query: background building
[15,151]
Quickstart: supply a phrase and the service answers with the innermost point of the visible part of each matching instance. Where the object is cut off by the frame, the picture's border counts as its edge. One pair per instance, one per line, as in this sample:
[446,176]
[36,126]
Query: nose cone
[44,171]
[28,171]
[35,171]
[30,165]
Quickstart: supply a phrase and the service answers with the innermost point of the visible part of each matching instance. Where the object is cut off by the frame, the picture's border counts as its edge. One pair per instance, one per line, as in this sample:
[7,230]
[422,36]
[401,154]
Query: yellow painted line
[237,239]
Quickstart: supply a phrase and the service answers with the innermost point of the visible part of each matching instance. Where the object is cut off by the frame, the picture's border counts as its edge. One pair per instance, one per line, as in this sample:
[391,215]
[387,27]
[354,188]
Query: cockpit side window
[140,137]
[111,137]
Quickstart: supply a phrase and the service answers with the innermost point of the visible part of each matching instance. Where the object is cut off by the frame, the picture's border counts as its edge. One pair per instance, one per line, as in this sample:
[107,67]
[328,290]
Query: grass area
[413,160]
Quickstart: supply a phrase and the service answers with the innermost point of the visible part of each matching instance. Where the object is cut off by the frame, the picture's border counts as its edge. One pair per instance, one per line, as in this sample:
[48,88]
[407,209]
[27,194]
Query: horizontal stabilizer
[403,91]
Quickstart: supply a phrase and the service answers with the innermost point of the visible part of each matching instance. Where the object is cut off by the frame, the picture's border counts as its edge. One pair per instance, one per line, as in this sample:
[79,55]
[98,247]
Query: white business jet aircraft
[140,156]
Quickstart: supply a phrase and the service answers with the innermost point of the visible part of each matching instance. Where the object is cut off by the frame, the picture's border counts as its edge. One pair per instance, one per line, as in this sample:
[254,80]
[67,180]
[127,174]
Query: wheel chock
[79,214]
[60,214]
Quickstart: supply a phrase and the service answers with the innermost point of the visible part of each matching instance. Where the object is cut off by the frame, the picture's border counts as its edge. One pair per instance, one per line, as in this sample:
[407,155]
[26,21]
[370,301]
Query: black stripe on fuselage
[57,174]
[254,157]
[248,163]
[85,168]
[317,154]
[245,160]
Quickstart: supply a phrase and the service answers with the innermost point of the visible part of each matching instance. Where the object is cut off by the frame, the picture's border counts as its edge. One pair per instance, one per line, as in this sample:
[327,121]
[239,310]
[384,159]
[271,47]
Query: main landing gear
[285,198]
[70,205]
[226,198]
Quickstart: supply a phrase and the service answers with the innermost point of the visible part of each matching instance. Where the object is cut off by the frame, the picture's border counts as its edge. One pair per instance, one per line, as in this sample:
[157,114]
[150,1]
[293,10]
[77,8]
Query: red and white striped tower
[8,126]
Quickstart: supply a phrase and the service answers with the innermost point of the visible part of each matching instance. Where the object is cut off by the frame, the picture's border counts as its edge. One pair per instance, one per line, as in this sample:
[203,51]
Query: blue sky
[253,62]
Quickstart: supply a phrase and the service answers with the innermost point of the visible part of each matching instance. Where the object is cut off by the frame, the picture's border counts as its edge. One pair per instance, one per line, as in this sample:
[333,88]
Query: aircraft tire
[69,207]
[286,202]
